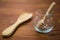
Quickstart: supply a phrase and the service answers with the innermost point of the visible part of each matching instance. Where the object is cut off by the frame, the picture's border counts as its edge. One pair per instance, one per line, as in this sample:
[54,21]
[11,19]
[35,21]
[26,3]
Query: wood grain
[11,9]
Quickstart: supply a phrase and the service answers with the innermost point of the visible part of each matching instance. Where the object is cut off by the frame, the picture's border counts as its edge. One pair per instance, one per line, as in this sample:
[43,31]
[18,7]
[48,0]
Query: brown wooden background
[11,9]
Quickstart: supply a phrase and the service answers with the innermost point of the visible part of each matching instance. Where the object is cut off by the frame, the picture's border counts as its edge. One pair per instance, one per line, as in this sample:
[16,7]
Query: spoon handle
[49,10]
[9,31]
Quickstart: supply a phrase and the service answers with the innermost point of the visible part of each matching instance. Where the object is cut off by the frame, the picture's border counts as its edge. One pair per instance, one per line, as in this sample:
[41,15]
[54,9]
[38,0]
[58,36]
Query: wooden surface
[11,9]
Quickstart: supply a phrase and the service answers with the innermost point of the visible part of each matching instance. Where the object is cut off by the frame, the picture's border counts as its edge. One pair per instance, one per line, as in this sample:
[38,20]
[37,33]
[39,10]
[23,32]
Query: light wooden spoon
[22,18]
[48,11]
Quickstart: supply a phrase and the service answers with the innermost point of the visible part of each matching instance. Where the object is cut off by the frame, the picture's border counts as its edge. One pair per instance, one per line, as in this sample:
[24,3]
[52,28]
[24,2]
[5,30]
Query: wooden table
[11,9]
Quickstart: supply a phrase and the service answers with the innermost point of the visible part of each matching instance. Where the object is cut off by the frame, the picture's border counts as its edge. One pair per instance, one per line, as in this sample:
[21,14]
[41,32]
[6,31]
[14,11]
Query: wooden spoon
[22,18]
[48,11]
